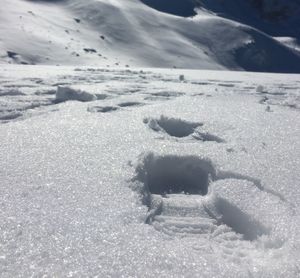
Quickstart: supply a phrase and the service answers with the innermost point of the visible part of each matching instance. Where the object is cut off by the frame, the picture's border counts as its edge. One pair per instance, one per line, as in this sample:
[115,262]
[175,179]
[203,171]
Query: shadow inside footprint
[175,174]
[207,137]
[101,96]
[174,127]
[130,103]
[101,109]
[167,94]
[181,128]
[171,174]
[163,95]
[10,116]
[239,221]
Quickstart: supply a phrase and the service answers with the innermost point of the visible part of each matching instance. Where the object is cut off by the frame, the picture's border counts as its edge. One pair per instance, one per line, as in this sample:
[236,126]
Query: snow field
[124,185]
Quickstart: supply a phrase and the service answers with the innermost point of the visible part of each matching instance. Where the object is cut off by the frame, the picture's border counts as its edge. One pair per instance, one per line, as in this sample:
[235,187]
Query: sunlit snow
[143,173]
[128,148]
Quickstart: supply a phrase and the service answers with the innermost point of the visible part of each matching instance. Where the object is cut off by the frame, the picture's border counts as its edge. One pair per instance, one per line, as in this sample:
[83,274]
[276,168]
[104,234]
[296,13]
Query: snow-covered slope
[151,173]
[274,17]
[131,33]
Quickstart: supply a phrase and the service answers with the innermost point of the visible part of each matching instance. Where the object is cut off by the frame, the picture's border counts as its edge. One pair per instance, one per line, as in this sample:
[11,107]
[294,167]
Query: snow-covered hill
[150,173]
[131,33]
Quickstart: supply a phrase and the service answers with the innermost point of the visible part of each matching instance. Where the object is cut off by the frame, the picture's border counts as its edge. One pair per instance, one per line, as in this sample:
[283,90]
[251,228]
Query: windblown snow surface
[148,173]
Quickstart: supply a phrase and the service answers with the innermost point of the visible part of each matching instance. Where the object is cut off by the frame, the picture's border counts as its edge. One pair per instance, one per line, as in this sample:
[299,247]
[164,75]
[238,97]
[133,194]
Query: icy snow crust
[125,184]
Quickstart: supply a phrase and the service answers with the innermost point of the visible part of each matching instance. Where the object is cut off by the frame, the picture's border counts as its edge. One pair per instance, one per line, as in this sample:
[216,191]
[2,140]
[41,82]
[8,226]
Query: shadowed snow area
[173,127]
[130,103]
[240,222]
[183,8]
[101,109]
[180,129]
[172,174]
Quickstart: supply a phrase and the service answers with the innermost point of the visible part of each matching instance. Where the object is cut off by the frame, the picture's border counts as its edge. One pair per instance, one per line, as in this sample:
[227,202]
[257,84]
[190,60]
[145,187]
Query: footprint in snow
[130,103]
[163,95]
[167,94]
[178,128]
[226,85]
[102,109]
[5,118]
[181,193]
[11,92]
[177,191]
[152,98]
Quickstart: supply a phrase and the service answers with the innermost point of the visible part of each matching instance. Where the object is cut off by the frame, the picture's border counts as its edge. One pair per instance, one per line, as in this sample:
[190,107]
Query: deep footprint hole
[129,104]
[175,174]
[102,109]
[172,126]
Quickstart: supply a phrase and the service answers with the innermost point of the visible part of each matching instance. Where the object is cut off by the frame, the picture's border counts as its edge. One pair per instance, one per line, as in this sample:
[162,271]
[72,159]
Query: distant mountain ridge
[277,17]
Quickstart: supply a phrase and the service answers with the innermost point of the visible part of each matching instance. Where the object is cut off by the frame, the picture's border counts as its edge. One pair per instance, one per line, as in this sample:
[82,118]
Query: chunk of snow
[68,93]
[260,89]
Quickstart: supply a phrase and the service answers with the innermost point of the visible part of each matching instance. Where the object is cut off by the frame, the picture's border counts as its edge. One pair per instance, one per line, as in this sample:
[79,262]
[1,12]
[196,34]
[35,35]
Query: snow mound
[68,93]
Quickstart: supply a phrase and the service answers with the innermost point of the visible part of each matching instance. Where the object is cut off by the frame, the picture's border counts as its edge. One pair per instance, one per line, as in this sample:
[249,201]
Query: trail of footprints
[105,109]
[158,96]
[178,191]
